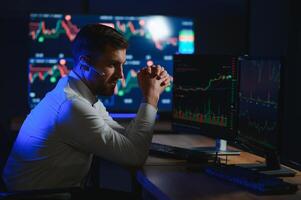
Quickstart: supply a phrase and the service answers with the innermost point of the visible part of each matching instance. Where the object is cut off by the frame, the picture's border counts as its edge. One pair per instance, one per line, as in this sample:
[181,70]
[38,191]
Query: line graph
[44,73]
[137,29]
[261,126]
[124,86]
[204,90]
[54,72]
[265,102]
[209,85]
[39,31]
[129,29]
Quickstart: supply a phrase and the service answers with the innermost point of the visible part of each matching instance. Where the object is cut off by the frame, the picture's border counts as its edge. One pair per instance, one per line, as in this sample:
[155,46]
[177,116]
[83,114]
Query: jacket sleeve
[108,119]
[84,128]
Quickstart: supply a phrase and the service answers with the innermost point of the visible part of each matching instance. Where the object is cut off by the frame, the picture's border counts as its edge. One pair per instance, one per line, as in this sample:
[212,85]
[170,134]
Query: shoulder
[76,106]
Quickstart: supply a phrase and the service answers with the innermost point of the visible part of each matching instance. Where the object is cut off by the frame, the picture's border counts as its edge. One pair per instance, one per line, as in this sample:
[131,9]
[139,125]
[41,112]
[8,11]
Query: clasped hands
[152,81]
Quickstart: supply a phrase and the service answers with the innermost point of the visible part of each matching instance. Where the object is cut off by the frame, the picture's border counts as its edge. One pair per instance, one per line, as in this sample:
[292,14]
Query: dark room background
[254,27]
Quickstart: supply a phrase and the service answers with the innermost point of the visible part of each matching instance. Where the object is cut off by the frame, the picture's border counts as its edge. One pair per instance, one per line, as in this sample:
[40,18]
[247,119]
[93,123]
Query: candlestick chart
[205,89]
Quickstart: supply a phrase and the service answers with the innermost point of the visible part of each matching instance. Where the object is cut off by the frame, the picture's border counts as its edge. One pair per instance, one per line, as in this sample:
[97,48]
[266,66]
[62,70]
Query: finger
[158,70]
[163,74]
[166,81]
[142,69]
[153,71]
[149,69]
[162,68]
[163,77]
[145,68]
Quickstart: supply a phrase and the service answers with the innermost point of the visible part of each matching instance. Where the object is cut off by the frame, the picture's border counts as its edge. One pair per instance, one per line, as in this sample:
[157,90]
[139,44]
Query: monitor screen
[258,122]
[152,40]
[204,97]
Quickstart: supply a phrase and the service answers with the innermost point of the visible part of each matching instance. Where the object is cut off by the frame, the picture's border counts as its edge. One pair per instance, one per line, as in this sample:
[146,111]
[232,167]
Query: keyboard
[168,151]
[252,180]
[194,153]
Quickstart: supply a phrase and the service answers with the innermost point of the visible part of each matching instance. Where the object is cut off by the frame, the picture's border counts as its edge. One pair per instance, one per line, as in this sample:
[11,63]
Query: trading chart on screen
[152,40]
[205,89]
[258,100]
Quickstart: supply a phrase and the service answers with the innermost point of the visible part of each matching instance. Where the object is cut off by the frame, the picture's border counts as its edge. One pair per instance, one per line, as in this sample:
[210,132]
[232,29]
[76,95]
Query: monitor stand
[220,148]
[271,166]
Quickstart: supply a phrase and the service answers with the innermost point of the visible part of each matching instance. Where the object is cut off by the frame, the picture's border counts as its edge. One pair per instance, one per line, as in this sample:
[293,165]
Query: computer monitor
[152,40]
[205,95]
[259,117]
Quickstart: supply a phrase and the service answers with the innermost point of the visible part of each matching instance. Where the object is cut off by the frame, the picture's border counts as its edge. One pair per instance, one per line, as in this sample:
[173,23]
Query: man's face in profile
[110,63]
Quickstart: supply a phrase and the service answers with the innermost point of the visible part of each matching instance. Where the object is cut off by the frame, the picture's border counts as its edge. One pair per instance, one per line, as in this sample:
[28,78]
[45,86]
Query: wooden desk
[174,179]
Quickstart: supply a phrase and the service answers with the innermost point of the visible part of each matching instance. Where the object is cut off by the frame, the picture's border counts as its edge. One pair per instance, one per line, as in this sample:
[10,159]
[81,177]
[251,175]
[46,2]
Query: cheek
[109,75]
[104,79]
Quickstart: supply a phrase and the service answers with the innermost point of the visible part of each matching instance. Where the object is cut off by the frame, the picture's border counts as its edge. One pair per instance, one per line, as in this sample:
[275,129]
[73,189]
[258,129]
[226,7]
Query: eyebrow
[115,61]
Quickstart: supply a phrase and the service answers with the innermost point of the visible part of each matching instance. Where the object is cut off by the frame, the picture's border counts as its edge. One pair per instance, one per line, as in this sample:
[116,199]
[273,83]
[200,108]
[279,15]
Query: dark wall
[269,27]
[13,40]
[292,94]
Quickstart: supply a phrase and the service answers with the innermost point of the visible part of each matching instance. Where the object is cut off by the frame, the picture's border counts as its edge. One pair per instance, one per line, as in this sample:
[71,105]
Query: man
[57,140]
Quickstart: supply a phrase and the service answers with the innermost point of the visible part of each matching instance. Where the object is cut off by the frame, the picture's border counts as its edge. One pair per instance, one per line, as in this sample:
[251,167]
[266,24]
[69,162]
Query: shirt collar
[77,84]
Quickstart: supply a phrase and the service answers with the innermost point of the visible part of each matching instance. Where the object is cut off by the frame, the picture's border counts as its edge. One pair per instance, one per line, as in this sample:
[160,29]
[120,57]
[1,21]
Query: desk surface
[174,179]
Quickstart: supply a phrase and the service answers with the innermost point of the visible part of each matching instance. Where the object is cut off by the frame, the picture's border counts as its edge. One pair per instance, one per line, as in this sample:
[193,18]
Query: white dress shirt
[56,142]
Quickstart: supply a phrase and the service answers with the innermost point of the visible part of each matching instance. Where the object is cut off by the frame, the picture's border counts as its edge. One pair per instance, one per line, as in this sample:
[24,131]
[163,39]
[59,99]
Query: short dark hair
[95,38]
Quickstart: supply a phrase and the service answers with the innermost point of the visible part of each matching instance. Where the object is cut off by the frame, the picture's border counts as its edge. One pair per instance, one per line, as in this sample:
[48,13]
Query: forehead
[113,54]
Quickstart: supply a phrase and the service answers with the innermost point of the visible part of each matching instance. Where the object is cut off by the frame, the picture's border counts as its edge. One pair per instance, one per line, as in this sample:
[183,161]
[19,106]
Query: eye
[112,65]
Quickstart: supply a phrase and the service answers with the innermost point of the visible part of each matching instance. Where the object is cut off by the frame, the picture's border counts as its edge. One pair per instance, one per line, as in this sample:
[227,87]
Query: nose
[119,72]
